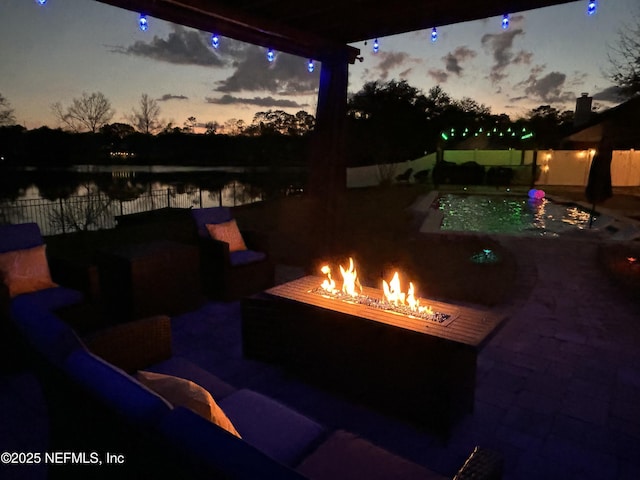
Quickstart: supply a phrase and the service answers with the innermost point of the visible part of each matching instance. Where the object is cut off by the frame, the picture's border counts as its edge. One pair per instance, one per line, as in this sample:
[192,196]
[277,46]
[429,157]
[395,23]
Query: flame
[392,291]
[393,294]
[329,283]
[350,279]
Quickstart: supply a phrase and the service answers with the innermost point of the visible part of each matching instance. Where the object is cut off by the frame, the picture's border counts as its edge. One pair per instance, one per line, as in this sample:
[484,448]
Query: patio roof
[316,29]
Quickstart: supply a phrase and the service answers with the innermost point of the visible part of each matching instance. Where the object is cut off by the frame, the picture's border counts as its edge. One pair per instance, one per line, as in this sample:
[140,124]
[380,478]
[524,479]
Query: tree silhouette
[6,112]
[624,59]
[87,113]
[147,118]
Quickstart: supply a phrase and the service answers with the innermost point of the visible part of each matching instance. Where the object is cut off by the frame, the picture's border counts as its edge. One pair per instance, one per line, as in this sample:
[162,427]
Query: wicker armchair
[16,238]
[231,275]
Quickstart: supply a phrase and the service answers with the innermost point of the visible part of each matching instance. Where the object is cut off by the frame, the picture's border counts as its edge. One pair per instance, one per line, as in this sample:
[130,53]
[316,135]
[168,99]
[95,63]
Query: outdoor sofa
[97,404]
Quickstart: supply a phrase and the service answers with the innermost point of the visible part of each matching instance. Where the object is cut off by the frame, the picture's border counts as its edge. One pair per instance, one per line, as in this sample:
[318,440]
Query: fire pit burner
[381,304]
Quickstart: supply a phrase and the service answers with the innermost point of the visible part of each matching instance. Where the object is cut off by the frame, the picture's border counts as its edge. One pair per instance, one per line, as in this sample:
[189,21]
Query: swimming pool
[511,215]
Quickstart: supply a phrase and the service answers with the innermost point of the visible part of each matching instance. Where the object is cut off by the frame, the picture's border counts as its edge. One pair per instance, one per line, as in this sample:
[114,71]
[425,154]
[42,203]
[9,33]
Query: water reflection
[512,215]
[60,200]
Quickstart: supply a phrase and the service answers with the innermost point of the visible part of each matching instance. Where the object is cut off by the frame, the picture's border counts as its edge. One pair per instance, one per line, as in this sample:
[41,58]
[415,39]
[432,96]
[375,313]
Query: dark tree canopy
[624,59]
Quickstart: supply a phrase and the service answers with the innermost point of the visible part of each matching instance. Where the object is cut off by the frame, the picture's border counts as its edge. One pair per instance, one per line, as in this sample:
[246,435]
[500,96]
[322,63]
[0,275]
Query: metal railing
[97,211]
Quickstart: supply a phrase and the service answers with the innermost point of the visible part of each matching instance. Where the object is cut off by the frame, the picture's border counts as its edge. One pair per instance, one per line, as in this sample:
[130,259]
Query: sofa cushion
[227,232]
[345,456]
[19,236]
[203,216]
[26,270]
[244,257]
[116,389]
[54,298]
[50,336]
[214,453]
[271,427]
[182,392]
[181,367]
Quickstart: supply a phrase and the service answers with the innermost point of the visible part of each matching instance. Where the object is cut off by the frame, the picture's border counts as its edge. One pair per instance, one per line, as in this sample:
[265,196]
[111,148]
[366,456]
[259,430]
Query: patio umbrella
[599,183]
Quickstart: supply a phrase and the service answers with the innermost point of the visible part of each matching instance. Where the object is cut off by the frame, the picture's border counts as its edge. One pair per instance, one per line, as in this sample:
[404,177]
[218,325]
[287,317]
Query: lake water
[90,197]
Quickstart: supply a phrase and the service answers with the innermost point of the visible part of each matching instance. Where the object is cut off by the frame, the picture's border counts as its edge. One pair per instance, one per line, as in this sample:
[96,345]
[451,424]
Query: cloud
[389,61]
[453,60]
[169,96]
[501,47]
[548,88]
[609,94]
[439,76]
[255,101]
[286,75]
[182,46]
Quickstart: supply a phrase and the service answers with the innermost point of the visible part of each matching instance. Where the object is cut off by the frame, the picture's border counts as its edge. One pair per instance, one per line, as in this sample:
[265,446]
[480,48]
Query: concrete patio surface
[558,386]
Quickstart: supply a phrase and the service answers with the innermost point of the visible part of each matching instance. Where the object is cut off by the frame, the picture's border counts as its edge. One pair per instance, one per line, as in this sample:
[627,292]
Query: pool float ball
[536,194]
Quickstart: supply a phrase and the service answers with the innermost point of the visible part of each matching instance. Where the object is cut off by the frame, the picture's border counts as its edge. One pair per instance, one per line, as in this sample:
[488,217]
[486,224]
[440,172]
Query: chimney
[582,114]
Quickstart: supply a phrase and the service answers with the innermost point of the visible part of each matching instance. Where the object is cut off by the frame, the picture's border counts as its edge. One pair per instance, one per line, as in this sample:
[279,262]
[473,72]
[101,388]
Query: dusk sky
[54,53]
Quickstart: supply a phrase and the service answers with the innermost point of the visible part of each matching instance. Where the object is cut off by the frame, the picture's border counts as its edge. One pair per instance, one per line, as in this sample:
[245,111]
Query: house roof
[620,124]
[316,28]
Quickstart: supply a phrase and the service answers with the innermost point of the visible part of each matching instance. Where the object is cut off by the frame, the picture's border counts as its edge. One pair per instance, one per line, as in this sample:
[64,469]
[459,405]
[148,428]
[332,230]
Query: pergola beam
[212,17]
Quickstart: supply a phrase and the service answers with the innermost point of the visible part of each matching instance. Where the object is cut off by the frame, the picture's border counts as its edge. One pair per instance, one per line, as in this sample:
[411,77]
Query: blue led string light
[271,55]
[311,66]
[592,7]
[143,24]
[505,21]
[376,46]
[41,2]
[434,34]
[215,41]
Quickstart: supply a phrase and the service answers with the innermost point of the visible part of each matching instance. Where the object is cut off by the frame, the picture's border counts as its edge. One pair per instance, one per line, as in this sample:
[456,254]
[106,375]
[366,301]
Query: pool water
[511,215]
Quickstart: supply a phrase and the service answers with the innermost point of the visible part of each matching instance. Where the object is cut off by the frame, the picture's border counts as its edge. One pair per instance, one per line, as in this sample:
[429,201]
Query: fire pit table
[413,368]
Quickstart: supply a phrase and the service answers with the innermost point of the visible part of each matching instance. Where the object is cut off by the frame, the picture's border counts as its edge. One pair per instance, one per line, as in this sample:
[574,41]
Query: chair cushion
[181,367]
[19,237]
[116,389]
[181,392]
[25,271]
[227,232]
[54,298]
[271,427]
[44,331]
[244,257]
[215,453]
[345,456]
[202,216]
